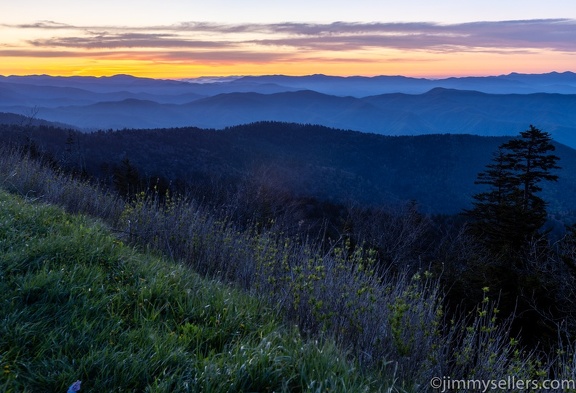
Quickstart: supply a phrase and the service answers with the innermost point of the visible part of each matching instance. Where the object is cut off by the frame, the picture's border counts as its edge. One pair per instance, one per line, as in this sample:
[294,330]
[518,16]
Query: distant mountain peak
[445,90]
[123,76]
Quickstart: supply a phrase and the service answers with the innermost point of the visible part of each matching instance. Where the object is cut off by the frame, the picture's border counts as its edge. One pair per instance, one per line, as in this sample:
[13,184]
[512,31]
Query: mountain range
[406,106]
[361,86]
[390,105]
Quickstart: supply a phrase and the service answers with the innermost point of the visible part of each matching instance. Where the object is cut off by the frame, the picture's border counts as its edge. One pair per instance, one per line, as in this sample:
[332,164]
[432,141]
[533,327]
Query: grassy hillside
[78,304]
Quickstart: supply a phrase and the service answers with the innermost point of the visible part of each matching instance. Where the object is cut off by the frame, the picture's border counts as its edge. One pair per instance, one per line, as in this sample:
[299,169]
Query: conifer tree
[127,178]
[511,212]
[507,218]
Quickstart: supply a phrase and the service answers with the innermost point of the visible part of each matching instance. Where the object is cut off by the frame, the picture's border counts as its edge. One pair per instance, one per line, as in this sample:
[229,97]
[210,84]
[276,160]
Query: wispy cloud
[255,41]
[43,24]
[97,40]
[201,57]
[557,34]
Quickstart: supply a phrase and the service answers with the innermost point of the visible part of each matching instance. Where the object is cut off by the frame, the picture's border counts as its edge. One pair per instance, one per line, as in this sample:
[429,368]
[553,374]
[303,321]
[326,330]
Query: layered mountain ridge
[389,105]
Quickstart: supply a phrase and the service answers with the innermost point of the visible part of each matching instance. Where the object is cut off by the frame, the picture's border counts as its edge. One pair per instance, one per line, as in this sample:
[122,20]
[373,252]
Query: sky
[190,38]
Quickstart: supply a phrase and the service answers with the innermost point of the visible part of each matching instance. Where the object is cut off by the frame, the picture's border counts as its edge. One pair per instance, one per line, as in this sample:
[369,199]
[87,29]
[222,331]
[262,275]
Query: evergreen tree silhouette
[510,212]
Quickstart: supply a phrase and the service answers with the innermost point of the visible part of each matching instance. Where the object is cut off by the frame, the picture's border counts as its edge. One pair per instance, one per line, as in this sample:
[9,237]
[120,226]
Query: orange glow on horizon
[416,64]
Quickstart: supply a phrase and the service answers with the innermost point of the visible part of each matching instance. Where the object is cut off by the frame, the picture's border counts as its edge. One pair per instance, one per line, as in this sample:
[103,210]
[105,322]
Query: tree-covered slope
[436,171]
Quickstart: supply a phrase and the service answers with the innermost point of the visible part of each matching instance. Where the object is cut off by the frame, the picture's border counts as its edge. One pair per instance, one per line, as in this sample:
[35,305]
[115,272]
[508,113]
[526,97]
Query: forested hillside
[343,167]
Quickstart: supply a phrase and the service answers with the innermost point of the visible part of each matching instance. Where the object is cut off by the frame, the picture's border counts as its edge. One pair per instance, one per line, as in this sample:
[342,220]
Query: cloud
[97,40]
[213,57]
[39,53]
[556,34]
[158,56]
[296,40]
[44,25]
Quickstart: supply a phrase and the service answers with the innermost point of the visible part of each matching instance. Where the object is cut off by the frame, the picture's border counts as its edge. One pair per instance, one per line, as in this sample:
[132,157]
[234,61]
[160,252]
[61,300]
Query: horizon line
[185,78]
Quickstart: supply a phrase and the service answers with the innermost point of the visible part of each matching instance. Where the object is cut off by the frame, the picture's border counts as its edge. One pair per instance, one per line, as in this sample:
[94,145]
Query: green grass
[76,303]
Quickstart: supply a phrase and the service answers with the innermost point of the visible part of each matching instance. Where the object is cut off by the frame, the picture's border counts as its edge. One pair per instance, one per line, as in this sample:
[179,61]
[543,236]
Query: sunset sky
[189,38]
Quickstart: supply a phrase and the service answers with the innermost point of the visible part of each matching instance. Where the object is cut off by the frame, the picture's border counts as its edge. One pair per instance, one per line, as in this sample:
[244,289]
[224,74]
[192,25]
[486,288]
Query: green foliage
[78,304]
[483,348]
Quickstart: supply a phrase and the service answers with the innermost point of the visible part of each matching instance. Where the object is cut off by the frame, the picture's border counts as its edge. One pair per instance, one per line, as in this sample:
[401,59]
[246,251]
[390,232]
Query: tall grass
[388,320]
[391,321]
[78,304]
[28,177]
